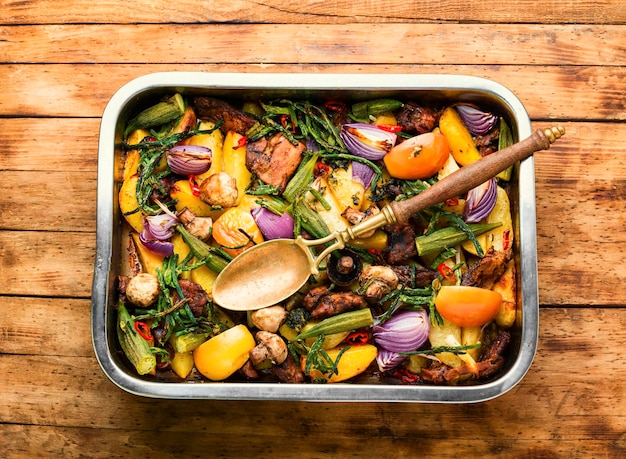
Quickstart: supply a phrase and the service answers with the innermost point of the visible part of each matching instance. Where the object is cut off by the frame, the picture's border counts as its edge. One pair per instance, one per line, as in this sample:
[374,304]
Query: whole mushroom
[143,290]
[219,190]
[270,347]
[269,319]
[377,281]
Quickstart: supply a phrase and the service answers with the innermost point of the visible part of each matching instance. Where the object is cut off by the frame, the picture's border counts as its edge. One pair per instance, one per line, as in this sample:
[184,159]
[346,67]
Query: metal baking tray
[435,89]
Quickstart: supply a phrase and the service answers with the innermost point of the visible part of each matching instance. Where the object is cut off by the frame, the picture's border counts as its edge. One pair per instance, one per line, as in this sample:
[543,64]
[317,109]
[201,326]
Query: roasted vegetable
[135,347]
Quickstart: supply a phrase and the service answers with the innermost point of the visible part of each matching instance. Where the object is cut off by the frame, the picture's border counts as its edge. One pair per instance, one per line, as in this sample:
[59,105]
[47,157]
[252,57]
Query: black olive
[343,267]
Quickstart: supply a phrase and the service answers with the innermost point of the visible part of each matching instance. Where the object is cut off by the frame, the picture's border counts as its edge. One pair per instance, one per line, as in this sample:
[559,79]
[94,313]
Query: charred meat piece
[337,303]
[487,143]
[323,304]
[288,371]
[416,119]
[486,271]
[422,277]
[401,245]
[210,109]
[490,362]
[275,160]
[197,297]
[311,299]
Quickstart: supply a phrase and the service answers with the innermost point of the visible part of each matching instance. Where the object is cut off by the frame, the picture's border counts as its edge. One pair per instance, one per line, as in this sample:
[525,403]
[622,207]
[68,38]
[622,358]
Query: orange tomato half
[467,306]
[419,157]
[231,228]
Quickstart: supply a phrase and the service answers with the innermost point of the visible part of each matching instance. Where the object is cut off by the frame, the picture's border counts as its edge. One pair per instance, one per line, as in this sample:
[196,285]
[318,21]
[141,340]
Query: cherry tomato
[419,157]
[234,229]
[467,306]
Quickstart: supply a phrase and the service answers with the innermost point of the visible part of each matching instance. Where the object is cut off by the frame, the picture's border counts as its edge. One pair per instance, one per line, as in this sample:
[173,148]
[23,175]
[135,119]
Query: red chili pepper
[506,239]
[335,105]
[452,202]
[321,169]
[389,127]
[374,252]
[283,121]
[144,330]
[193,184]
[405,375]
[357,338]
[446,272]
[242,142]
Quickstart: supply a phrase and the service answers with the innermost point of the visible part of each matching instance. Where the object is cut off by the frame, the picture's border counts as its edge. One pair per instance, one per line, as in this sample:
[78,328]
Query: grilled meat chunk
[416,119]
[401,243]
[288,371]
[423,276]
[323,304]
[490,362]
[210,109]
[486,271]
[487,143]
[275,160]
[197,298]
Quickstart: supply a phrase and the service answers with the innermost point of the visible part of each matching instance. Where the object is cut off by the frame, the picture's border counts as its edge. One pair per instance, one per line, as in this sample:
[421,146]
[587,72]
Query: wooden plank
[24,441]
[430,44]
[36,201]
[46,263]
[45,326]
[572,185]
[316,11]
[557,399]
[548,92]
[49,144]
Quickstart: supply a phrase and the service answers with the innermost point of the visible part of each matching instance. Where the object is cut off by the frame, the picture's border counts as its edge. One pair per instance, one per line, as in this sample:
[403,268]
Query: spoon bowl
[272,271]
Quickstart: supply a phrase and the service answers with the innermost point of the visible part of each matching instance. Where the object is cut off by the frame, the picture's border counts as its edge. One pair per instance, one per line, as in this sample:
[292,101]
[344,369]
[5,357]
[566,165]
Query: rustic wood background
[60,62]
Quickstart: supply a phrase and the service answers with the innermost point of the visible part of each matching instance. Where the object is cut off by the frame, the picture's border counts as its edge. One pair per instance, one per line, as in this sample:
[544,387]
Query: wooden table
[60,63]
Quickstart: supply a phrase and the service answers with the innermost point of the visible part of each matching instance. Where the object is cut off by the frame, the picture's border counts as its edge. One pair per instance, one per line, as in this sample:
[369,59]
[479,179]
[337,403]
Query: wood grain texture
[548,92]
[505,44]
[312,12]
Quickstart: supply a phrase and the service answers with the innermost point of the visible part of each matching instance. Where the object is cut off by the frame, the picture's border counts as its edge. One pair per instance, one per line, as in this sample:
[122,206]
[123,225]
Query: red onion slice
[163,248]
[189,159]
[273,226]
[362,173]
[481,201]
[160,226]
[406,331]
[367,140]
[477,121]
[388,360]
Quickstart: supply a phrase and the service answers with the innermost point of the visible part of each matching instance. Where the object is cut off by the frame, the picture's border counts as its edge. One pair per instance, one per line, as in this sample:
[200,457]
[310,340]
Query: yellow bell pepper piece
[222,355]
[354,361]
[235,162]
[459,137]
[181,191]
[214,141]
[129,205]
[149,260]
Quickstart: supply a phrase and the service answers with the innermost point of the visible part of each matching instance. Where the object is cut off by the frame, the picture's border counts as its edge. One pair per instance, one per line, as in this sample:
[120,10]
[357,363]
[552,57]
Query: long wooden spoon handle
[472,175]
